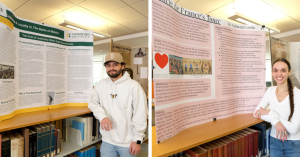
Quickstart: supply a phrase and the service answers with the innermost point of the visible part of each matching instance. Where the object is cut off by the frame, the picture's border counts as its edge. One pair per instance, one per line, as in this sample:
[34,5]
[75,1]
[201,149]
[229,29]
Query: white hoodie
[127,111]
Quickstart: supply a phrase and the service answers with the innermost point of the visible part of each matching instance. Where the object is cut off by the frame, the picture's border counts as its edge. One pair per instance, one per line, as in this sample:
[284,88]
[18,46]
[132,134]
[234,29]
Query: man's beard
[114,75]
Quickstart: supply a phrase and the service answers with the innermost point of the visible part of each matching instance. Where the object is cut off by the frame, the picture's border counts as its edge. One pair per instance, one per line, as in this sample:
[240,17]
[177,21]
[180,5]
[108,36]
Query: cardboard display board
[205,68]
[42,65]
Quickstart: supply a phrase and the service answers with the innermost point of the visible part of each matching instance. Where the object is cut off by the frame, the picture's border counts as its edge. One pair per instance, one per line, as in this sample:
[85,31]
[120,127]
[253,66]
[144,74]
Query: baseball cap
[114,56]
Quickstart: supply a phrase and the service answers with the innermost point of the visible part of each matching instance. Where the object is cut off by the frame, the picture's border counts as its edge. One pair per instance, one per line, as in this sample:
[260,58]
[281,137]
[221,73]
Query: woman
[284,113]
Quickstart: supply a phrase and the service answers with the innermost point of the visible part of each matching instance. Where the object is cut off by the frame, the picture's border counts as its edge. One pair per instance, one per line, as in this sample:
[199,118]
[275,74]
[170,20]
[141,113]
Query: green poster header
[52,40]
[33,27]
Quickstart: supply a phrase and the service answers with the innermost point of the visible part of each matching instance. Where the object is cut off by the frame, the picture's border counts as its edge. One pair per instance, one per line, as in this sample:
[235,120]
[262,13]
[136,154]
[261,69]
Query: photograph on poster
[175,64]
[140,52]
[197,66]
[7,72]
[50,98]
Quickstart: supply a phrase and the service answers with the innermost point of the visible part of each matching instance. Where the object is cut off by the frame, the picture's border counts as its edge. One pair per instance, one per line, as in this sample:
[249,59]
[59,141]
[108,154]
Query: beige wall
[143,82]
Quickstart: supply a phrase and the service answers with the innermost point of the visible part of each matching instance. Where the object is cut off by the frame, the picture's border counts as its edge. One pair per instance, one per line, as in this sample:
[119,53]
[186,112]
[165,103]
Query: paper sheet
[144,72]
[138,61]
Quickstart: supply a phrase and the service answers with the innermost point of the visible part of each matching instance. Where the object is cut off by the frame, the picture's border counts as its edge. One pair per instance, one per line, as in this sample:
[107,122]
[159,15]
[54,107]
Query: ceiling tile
[12,4]
[138,24]
[286,24]
[102,6]
[54,20]
[142,7]
[77,1]
[123,14]
[198,6]
[34,14]
[219,3]
[131,1]
[52,6]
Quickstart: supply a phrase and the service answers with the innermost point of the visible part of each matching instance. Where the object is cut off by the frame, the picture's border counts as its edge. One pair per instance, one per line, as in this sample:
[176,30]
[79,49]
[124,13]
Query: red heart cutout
[161,60]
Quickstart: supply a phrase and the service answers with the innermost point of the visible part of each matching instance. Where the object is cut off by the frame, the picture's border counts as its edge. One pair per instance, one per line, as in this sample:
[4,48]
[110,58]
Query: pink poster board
[204,68]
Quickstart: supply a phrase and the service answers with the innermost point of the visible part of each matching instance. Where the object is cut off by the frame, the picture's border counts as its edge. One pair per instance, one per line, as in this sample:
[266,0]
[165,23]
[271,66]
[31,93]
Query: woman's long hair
[290,85]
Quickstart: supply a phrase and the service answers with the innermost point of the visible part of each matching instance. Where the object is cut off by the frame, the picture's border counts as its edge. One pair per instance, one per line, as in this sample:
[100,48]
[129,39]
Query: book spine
[31,145]
[58,141]
[39,144]
[55,144]
[52,140]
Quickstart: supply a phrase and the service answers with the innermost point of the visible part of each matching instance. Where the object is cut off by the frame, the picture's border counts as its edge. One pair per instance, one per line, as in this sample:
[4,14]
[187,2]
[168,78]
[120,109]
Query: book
[255,141]
[220,147]
[247,136]
[52,139]
[43,143]
[64,129]
[58,141]
[262,127]
[13,145]
[32,143]
[39,133]
[85,121]
[227,146]
[80,126]
[239,143]
[234,148]
[207,148]
[55,144]
[215,149]
[5,146]
[47,139]
[20,144]
[25,133]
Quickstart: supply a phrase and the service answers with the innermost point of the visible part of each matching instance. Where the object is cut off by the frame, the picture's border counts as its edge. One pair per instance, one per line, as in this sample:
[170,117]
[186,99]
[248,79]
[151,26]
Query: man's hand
[281,133]
[134,148]
[106,124]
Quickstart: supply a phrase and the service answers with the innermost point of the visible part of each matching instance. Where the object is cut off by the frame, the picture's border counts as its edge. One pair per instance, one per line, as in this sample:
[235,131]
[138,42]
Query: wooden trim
[200,134]
[37,117]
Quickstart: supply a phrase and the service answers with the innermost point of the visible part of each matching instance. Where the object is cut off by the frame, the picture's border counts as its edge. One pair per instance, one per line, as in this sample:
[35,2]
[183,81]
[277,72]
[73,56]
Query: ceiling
[125,17]
[221,8]
[116,17]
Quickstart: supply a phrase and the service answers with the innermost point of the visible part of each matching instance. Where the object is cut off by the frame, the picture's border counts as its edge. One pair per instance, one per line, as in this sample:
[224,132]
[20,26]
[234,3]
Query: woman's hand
[281,133]
[260,112]
[263,111]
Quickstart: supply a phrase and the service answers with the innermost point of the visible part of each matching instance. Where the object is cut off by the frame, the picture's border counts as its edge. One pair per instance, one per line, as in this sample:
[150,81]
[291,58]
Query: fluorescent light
[73,27]
[268,30]
[245,21]
[99,35]
[258,10]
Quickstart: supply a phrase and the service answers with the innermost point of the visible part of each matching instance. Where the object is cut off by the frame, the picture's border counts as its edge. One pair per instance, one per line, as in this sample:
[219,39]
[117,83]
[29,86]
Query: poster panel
[42,65]
[204,68]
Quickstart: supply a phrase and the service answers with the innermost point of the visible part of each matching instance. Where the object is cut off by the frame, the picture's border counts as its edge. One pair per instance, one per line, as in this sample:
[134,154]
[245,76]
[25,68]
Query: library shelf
[68,147]
[200,134]
[37,117]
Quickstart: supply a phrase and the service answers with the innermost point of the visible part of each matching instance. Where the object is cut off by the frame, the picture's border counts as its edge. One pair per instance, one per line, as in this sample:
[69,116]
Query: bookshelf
[37,117]
[200,134]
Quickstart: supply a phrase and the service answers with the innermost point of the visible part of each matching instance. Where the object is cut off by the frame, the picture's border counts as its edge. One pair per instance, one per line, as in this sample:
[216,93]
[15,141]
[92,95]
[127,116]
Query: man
[120,105]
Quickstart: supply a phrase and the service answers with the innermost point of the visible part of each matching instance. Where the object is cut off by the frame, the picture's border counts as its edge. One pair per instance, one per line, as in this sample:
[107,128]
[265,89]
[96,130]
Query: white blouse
[280,111]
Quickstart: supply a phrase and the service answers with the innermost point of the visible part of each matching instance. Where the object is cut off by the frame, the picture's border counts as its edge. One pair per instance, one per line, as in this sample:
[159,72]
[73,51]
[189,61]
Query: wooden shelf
[201,134]
[37,117]
[70,147]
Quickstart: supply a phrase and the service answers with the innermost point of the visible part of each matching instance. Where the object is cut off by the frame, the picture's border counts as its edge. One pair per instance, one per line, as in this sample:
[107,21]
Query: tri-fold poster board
[205,68]
[42,65]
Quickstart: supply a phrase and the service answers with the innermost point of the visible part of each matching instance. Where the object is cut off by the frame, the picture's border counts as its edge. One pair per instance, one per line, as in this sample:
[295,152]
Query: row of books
[90,151]
[42,140]
[88,125]
[249,142]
